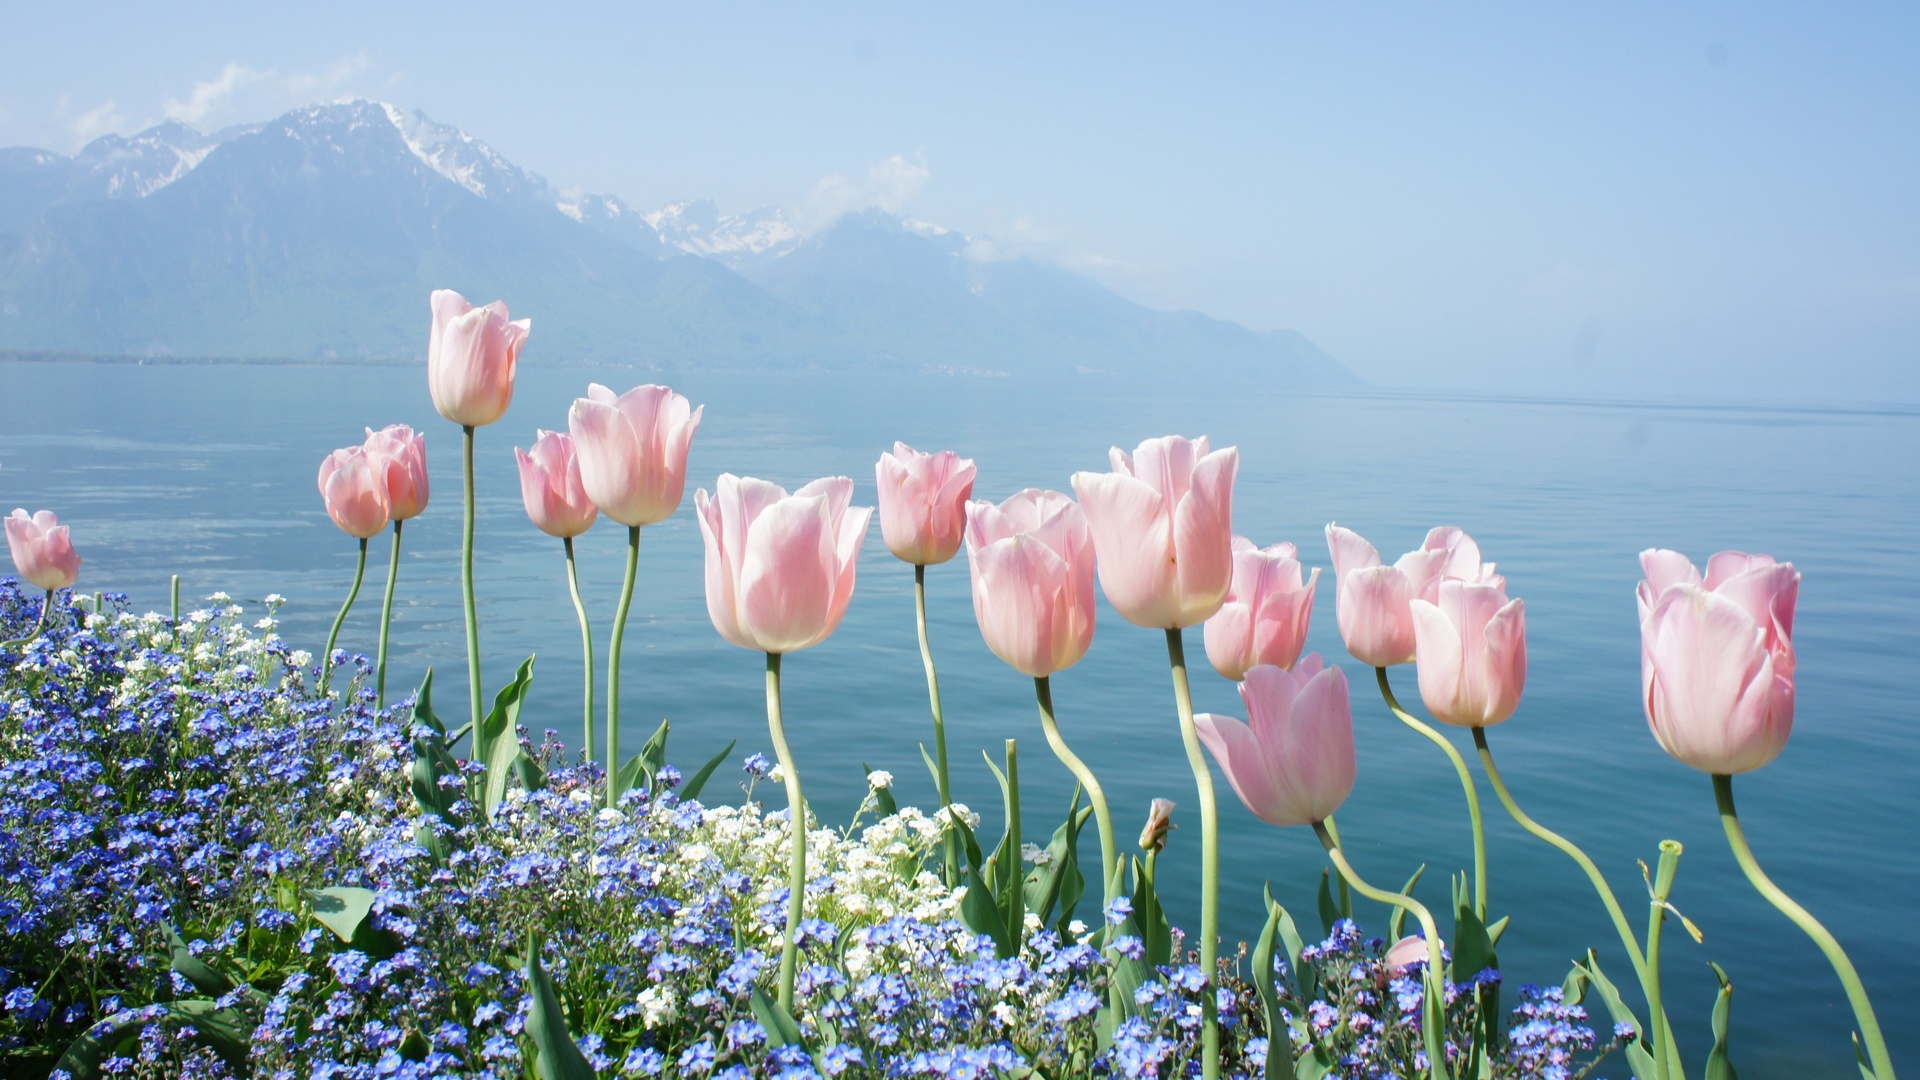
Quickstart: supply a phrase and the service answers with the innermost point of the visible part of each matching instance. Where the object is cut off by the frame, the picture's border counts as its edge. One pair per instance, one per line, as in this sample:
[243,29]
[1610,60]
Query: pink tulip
[354,486]
[1371,601]
[1293,762]
[1716,657]
[923,503]
[779,566]
[633,450]
[1405,953]
[403,456]
[1162,523]
[42,550]
[1264,620]
[1472,646]
[550,486]
[471,356]
[1032,561]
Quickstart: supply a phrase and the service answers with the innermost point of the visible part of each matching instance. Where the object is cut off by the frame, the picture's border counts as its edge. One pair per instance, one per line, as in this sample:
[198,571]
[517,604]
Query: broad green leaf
[556,1055]
[1314,1063]
[1718,1066]
[227,1031]
[532,776]
[1329,911]
[341,909]
[1498,927]
[653,754]
[980,913]
[201,974]
[1044,884]
[1266,983]
[781,1028]
[497,741]
[883,802]
[1472,948]
[423,706]
[1155,933]
[698,781]
[1638,1059]
[629,776]
[1860,1057]
[1397,918]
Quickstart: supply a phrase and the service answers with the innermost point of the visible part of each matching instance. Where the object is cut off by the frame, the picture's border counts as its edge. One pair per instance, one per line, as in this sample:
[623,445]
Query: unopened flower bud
[1153,838]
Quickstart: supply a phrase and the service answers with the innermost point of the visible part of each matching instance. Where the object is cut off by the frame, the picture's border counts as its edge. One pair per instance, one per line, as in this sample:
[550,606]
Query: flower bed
[177,796]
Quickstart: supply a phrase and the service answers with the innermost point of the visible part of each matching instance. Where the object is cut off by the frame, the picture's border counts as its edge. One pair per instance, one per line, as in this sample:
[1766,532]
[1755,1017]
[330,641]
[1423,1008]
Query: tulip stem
[797,822]
[1661,887]
[174,606]
[39,624]
[466,586]
[951,847]
[613,658]
[1432,1032]
[1466,784]
[1850,979]
[586,647]
[386,621]
[1096,797]
[1209,856]
[333,635]
[1571,850]
[1346,893]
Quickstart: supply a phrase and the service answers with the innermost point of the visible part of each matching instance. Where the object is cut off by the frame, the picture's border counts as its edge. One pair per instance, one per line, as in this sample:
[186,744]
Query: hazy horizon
[1714,203]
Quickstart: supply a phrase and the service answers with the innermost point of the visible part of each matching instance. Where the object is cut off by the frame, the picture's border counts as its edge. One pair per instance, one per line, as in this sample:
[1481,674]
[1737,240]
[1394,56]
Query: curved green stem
[586,648]
[466,587]
[1346,892]
[613,657]
[1657,918]
[1850,979]
[173,591]
[386,621]
[1466,785]
[1209,856]
[1572,851]
[1096,797]
[797,821]
[1433,1032]
[333,635]
[40,624]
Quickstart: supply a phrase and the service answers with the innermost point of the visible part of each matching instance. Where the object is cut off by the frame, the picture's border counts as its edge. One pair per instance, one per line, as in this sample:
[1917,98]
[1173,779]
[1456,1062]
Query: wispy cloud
[240,89]
[90,124]
[890,185]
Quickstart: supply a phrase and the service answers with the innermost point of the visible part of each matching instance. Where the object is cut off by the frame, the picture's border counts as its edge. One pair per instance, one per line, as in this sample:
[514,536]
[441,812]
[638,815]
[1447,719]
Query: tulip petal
[1134,537]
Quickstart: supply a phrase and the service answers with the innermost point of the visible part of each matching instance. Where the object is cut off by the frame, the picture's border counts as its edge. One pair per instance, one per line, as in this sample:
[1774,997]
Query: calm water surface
[209,472]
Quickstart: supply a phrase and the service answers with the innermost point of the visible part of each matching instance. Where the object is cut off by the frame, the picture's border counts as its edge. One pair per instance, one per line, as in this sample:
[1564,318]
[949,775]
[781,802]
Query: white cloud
[242,90]
[889,185]
[102,119]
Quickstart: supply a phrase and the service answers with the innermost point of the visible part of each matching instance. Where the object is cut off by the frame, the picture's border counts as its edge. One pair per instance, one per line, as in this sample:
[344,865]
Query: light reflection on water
[208,472]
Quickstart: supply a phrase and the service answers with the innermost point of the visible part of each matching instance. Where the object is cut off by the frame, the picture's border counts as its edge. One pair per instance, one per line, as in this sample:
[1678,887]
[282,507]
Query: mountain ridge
[319,233]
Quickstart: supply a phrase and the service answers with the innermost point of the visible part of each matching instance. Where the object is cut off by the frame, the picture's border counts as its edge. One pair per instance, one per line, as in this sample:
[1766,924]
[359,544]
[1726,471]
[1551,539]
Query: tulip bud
[42,550]
[1292,762]
[1717,659]
[1162,524]
[472,354]
[633,450]
[550,486]
[1472,648]
[1405,953]
[354,487]
[923,503]
[1032,562]
[401,455]
[1269,605]
[1153,838]
[780,567]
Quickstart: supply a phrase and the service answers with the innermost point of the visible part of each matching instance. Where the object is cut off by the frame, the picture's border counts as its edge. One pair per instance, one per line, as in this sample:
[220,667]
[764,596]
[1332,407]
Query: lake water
[208,472]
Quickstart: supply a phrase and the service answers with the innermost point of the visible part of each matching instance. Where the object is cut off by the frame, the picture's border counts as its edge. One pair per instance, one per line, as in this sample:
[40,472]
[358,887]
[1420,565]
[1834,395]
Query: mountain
[320,233]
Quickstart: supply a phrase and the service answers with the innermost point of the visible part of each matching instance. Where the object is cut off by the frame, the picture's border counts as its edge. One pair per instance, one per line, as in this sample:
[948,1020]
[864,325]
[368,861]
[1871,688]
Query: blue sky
[1646,199]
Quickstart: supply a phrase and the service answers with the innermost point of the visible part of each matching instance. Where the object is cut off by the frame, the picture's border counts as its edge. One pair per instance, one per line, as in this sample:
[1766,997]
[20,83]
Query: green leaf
[341,909]
[423,706]
[630,776]
[1155,933]
[497,741]
[227,1031]
[698,781]
[1303,977]
[1638,1059]
[653,753]
[1498,927]
[532,776]
[556,1055]
[1718,1066]
[1860,1056]
[781,1028]
[1044,884]
[1266,982]
[201,974]
[1314,1064]
[967,841]
[980,913]
[1329,911]
[1472,948]
[883,803]
[1397,918]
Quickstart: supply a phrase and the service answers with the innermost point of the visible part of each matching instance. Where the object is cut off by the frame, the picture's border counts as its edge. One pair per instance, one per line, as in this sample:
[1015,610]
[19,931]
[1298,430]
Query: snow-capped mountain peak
[464,159]
[698,228]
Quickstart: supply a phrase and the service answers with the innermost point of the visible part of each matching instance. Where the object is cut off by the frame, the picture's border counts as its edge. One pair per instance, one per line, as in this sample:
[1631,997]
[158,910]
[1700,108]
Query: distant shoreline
[48,356]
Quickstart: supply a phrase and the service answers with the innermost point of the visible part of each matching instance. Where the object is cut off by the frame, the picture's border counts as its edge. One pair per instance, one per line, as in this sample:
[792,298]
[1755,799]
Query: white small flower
[879,779]
[609,816]
[274,599]
[266,623]
[1077,928]
[219,598]
[300,658]
[775,775]
[1037,855]
[200,618]
[657,1006]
